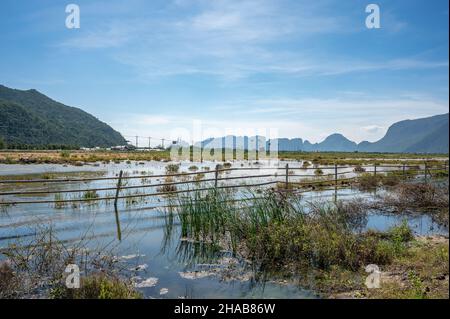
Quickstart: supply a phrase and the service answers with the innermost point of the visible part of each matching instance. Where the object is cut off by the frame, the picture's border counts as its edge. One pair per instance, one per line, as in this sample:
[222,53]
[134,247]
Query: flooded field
[162,265]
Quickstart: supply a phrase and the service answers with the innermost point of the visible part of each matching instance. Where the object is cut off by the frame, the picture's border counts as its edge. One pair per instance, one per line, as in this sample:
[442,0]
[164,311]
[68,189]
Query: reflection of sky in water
[420,224]
[143,232]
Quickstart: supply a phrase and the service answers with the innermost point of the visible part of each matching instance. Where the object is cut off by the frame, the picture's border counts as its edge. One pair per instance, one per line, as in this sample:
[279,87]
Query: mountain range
[31,118]
[424,135]
[28,117]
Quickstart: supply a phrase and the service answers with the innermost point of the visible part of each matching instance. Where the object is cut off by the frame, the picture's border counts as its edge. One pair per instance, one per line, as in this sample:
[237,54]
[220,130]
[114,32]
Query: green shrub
[318,172]
[90,195]
[274,230]
[193,168]
[359,169]
[172,169]
[101,286]
[368,181]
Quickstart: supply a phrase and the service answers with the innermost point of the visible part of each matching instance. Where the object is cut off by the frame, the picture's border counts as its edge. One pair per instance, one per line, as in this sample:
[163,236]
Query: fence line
[119,187]
[73,180]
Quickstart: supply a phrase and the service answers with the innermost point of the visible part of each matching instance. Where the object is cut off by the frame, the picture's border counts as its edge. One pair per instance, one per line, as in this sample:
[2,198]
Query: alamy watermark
[230,144]
[373,20]
[73,277]
[374,278]
[73,19]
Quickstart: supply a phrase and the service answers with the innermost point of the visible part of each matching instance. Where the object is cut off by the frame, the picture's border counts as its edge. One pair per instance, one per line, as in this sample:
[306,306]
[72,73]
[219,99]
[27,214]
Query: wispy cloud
[233,40]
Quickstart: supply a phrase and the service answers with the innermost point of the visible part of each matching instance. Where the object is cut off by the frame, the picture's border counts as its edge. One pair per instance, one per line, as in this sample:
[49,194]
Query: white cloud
[373,129]
[231,40]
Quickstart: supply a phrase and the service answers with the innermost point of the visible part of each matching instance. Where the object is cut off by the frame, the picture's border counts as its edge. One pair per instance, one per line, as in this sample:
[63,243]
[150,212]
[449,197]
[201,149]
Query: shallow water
[161,264]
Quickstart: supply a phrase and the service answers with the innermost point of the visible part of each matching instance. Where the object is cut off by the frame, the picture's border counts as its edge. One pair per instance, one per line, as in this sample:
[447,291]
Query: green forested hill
[31,118]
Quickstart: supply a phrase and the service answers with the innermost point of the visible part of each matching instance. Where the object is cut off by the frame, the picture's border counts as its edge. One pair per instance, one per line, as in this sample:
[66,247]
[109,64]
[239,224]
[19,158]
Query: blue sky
[305,68]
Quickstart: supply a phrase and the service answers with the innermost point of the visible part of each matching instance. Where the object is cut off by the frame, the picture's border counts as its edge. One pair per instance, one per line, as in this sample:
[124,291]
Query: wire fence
[282,177]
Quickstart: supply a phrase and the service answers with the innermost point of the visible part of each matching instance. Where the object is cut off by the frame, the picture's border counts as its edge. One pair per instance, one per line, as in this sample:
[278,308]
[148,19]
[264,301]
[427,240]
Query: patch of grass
[167,188]
[172,169]
[274,230]
[422,273]
[318,172]
[101,286]
[359,169]
[90,195]
[59,197]
[368,181]
[8,281]
[36,268]
[227,165]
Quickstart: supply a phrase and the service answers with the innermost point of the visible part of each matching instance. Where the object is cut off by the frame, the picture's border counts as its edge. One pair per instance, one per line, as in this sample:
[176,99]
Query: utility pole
[137,137]
[149,142]
[162,140]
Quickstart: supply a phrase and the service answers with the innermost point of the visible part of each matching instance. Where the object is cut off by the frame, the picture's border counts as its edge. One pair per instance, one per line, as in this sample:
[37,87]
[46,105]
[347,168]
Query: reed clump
[276,230]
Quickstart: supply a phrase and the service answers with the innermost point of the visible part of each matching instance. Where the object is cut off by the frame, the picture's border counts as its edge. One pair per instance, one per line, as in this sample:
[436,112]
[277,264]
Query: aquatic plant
[275,229]
[318,172]
[90,195]
[172,169]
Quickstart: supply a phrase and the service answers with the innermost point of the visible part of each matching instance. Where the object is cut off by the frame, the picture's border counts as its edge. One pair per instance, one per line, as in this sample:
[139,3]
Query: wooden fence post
[404,171]
[287,177]
[335,175]
[426,168]
[216,176]
[375,169]
[119,184]
[119,232]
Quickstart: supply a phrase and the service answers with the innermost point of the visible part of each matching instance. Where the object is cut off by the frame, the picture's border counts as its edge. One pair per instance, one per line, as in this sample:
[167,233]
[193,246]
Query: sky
[164,68]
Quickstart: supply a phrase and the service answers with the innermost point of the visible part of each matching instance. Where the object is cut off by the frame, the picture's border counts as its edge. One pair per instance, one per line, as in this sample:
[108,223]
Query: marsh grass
[167,188]
[90,195]
[276,230]
[172,169]
[100,286]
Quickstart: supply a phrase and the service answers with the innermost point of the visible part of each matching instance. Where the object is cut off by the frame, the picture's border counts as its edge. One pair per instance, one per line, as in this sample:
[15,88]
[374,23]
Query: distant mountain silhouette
[425,135]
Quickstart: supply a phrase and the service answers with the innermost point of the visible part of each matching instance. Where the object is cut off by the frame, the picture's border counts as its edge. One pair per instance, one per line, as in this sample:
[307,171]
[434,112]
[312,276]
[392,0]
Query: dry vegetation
[36,269]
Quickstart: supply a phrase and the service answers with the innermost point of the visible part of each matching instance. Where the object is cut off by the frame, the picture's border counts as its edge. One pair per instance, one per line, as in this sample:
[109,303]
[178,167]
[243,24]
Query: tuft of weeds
[274,230]
[193,168]
[8,281]
[318,172]
[167,188]
[368,181]
[227,165]
[59,204]
[359,169]
[90,195]
[99,286]
[36,268]
[172,169]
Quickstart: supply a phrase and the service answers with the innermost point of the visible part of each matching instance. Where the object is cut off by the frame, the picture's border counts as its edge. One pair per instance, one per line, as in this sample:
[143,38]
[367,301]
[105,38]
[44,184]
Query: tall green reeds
[276,229]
